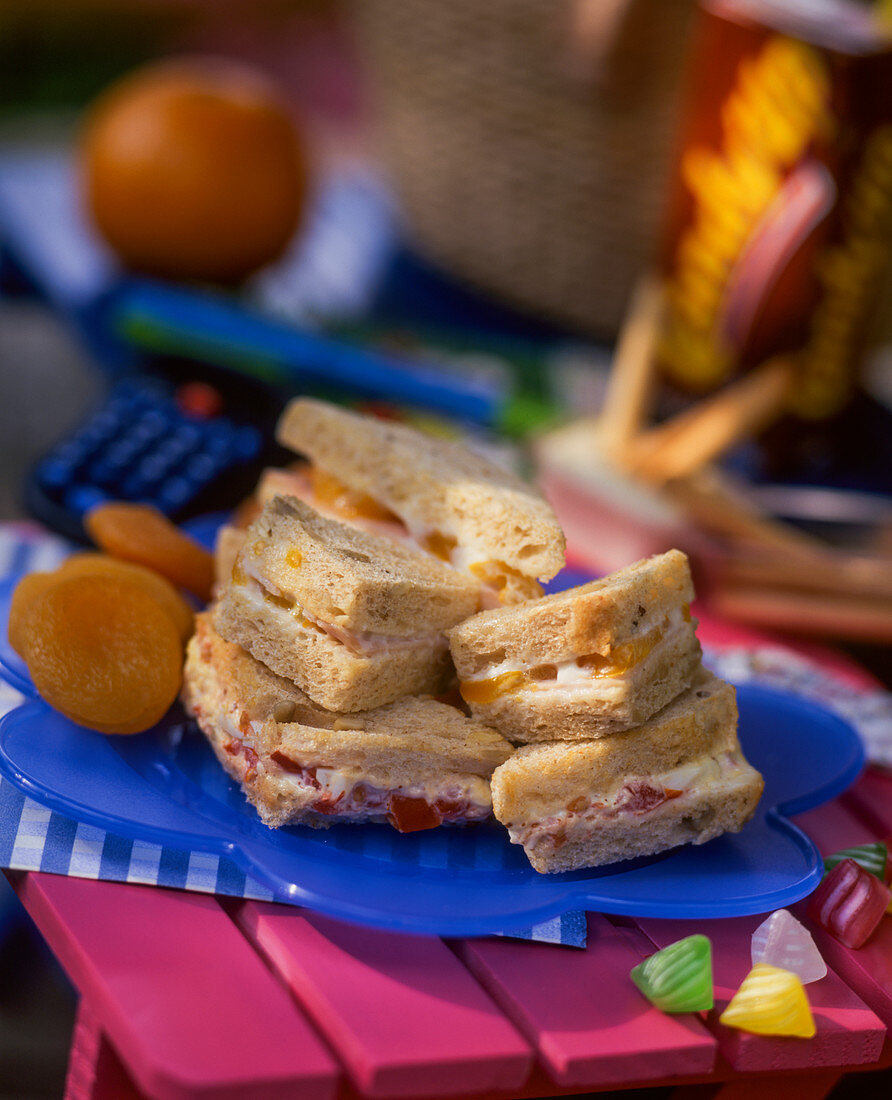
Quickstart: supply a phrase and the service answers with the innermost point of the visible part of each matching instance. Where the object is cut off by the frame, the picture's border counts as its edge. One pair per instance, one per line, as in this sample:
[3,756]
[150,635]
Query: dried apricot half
[24,596]
[103,652]
[87,564]
[142,534]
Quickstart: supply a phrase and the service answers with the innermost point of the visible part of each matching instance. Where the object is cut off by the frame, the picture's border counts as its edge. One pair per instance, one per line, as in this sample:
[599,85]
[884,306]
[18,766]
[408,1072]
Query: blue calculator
[185,447]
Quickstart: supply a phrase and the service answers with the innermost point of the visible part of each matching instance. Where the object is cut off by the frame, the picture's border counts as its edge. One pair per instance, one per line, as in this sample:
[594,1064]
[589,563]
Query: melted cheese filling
[636,797]
[576,673]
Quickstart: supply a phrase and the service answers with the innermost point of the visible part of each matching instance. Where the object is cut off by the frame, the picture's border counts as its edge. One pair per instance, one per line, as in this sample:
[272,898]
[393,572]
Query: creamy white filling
[687,778]
[570,676]
[336,785]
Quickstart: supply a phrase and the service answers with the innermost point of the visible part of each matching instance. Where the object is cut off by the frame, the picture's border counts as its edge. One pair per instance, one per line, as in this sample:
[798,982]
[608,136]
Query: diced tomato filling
[411,815]
[639,797]
[406,813]
[237,749]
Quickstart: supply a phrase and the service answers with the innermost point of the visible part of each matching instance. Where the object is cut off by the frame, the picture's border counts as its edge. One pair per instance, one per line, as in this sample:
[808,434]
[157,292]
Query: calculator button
[153,468]
[54,473]
[80,498]
[247,442]
[175,492]
[201,468]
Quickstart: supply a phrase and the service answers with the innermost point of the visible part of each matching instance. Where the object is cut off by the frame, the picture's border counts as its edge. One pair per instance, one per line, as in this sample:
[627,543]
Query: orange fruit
[193,169]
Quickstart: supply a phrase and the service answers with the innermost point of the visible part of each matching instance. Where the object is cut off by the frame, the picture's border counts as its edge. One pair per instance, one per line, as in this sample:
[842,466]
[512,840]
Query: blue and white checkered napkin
[34,838]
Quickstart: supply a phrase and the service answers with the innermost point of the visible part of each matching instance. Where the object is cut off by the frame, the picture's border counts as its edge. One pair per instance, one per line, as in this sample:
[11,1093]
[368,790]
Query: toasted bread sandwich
[680,778]
[354,620]
[586,662]
[434,494]
[416,763]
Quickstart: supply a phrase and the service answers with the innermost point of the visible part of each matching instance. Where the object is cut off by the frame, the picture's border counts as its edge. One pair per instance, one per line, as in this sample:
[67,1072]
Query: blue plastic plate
[165,786]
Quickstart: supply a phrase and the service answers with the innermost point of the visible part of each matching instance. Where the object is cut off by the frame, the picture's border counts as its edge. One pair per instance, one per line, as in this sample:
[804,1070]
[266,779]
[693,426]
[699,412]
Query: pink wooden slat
[401,1011]
[580,1008]
[871,800]
[867,969]
[834,826]
[189,1006]
[94,1070]
[848,1032]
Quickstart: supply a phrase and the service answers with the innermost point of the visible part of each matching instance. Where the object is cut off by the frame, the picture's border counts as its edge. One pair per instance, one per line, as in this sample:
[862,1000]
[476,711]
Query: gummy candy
[849,903]
[783,942]
[678,978]
[872,857]
[771,1001]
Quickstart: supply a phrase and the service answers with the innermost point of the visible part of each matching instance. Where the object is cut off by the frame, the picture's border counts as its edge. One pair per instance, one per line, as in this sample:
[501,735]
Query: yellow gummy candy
[770,1001]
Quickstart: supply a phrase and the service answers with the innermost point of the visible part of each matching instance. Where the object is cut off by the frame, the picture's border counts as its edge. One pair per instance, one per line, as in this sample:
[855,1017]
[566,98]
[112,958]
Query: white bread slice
[679,778]
[435,486]
[586,662]
[292,758]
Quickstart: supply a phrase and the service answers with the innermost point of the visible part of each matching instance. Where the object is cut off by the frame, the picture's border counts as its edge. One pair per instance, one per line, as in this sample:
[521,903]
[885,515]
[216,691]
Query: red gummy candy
[849,903]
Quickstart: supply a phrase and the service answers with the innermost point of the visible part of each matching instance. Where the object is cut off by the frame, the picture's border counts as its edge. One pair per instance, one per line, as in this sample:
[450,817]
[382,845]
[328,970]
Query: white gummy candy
[782,941]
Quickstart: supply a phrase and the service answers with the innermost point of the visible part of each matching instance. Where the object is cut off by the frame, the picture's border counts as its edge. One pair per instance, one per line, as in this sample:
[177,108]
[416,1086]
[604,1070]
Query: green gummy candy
[678,978]
[872,857]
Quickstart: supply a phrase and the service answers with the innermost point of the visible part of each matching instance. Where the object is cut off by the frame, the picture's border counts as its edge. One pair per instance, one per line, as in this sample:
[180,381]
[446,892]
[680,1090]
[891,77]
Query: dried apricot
[103,652]
[142,534]
[24,596]
[79,565]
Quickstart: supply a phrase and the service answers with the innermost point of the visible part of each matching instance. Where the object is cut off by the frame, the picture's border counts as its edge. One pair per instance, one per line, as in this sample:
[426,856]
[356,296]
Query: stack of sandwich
[315,674]
[389,562]
[628,746]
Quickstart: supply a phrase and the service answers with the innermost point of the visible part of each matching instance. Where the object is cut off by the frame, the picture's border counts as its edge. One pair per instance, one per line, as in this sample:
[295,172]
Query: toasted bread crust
[239,702]
[325,669]
[350,578]
[591,618]
[432,484]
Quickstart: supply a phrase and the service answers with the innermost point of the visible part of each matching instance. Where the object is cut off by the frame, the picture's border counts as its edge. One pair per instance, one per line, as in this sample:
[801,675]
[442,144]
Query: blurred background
[638,249]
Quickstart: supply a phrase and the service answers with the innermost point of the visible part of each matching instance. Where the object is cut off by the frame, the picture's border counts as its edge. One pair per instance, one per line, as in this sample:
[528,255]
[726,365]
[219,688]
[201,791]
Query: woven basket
[529,156]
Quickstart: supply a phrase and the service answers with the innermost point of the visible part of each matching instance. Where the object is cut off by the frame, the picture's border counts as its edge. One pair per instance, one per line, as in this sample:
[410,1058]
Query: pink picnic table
[186,996]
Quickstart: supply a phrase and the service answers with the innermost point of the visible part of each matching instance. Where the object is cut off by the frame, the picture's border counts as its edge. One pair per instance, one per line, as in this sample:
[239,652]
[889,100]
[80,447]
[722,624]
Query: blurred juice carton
[780,221]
